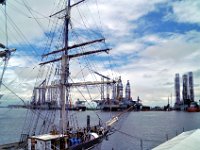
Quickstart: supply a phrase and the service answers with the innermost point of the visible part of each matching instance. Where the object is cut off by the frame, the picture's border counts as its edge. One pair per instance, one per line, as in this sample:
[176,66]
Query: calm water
[152,128]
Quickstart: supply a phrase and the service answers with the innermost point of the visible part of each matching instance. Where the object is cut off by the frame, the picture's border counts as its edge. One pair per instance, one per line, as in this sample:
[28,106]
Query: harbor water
[134,131]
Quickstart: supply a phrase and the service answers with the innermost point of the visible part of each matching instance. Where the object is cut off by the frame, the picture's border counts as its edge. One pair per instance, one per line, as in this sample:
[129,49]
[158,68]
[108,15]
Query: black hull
[81,108]
[87,145]
[83,146]
[90,144]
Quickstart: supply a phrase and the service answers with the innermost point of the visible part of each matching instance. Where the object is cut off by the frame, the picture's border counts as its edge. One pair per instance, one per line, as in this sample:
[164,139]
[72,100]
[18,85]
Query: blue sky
[150,41]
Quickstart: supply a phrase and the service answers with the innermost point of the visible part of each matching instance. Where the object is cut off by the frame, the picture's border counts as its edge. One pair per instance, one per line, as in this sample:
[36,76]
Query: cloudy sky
[151,40]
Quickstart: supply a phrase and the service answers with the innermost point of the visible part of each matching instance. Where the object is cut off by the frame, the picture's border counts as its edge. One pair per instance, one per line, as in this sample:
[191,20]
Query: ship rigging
[43,131]
[5,52]
[64,136]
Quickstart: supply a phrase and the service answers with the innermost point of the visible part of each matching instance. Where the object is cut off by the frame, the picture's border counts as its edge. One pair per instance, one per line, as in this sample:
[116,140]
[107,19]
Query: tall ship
[44,129]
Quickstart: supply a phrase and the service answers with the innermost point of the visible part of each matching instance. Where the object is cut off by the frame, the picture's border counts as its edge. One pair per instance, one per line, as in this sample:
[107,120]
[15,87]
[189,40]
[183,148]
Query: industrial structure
[128,91]
[187,90]
[177,88]
[118,91]
[188,87]
[121,99]
[191,86]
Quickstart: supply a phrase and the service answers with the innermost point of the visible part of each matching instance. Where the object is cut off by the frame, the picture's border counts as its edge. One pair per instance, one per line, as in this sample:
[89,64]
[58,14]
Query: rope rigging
[45,126]
[51,36]
[23,101]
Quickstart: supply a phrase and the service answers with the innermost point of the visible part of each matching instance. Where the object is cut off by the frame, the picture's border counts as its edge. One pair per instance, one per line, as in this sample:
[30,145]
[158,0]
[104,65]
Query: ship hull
[110,107]
[193,110]
[88,145]
[92,144]
[95,143]
[194,107]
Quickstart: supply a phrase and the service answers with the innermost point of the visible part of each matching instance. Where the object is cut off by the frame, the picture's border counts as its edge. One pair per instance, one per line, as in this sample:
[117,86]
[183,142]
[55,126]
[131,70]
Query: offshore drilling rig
[118,100]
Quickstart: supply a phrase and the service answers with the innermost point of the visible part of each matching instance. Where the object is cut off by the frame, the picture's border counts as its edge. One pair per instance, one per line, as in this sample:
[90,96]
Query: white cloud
[22,27]
[177,47]
[116,18]
[185,11]
[126,48]
[20,76]
[152,74]
[149,74]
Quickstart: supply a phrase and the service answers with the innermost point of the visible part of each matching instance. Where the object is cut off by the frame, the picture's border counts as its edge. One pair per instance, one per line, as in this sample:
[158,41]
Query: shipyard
[99,75]
[117,102]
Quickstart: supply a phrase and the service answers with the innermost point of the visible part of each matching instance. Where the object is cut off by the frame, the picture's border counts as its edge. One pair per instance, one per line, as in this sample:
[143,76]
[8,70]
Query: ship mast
[64,94]
[65,58]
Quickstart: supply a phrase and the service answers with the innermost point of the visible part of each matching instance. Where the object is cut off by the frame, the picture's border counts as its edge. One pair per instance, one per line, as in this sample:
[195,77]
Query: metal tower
[185,87]
[120,89]
[191,86]
[177,88]
[128,91]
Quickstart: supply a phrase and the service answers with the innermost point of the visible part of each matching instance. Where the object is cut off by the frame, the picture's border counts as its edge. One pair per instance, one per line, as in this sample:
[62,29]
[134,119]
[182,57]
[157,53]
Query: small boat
[80,105]
[194,107]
